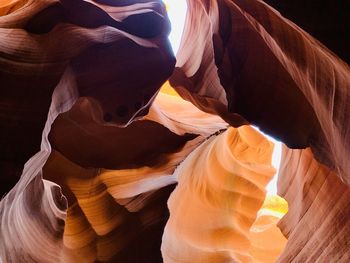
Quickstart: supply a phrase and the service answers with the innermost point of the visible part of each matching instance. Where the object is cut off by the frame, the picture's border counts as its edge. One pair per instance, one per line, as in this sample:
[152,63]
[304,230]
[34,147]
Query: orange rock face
[115,170]
[221,187]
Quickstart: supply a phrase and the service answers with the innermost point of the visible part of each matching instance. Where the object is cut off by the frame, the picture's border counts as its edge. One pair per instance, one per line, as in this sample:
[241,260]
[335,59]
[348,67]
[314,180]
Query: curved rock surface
[116,171]
[253,65]
[317,223]
[221,187]
[44,43]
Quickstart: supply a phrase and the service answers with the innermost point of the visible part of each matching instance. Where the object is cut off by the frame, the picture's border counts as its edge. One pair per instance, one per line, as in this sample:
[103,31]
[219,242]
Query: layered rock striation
[112,170]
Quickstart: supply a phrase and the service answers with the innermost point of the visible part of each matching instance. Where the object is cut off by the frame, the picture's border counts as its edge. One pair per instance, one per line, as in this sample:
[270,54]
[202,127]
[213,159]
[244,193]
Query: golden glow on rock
[275,204]
[167,89]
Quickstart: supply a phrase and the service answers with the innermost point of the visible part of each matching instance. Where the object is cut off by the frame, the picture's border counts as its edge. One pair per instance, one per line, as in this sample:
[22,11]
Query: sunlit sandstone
[118,171]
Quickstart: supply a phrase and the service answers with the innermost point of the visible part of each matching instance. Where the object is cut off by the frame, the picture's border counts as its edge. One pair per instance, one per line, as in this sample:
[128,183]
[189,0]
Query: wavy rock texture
[111,213]
[112,38]
[80,99]
[317,223]
[247,53]
[266,240]
[220,190]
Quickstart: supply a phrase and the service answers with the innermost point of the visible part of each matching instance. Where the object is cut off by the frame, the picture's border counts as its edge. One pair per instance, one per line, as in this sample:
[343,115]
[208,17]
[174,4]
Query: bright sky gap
[177,14]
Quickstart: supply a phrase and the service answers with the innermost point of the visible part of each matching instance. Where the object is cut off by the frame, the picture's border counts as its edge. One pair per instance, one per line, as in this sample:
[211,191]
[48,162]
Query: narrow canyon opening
[132,156]
[265,229]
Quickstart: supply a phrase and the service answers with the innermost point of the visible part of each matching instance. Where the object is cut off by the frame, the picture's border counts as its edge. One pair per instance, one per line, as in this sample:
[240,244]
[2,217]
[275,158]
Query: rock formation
[221,187]
[113,170]
[317,223]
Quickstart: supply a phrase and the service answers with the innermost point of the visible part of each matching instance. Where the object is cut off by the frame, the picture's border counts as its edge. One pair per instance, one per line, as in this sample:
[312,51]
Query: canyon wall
[113,169]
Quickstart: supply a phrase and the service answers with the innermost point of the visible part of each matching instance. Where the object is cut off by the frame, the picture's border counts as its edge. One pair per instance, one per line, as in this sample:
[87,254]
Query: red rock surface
[103,149]
[317,223]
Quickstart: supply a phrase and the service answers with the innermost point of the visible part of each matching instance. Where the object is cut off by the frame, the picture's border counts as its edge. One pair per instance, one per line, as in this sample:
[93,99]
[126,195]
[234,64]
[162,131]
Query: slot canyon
[115,147]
